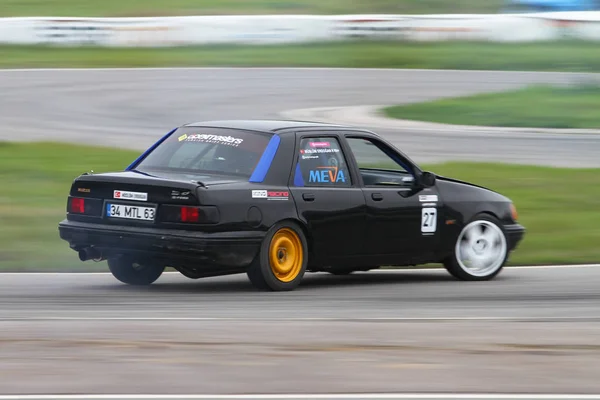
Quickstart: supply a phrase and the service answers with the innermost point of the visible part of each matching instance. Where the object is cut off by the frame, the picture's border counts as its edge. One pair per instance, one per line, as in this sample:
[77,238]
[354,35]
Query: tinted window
[223,151]
[322,163]
[368,155]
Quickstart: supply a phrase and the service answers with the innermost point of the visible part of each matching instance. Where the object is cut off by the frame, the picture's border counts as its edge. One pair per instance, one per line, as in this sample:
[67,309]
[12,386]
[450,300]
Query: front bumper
[228,249]
[514,235]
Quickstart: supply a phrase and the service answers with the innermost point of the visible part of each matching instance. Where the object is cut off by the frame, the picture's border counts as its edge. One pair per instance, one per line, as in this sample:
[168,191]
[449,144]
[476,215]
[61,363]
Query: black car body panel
[463,201]
[208,215]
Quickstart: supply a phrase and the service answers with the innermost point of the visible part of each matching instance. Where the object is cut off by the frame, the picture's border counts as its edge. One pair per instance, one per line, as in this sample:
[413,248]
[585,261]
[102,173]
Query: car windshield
[193,150]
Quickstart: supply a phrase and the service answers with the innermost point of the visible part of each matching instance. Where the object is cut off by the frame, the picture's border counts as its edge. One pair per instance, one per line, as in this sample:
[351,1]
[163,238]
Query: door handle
[377,196]
[308,196]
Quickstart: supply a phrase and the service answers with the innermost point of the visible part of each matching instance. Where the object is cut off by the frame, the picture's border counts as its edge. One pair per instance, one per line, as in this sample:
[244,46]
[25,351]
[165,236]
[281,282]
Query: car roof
[265,125]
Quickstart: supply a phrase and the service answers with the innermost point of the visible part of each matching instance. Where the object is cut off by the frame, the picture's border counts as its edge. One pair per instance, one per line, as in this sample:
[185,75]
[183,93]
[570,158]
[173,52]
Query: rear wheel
[480,250]
[131,272]
[281,263]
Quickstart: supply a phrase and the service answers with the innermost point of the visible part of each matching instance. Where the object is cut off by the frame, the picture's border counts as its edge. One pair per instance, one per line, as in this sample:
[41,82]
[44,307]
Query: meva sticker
[138,196]
[270,194]
[427,198]
[327,175]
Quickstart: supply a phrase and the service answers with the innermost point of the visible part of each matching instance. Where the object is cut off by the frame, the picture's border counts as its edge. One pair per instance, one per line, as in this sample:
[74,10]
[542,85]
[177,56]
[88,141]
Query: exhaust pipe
[90,253]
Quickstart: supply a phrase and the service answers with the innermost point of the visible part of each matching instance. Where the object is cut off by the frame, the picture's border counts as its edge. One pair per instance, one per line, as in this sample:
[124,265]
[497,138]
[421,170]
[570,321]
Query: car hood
[468,189]
[454,180]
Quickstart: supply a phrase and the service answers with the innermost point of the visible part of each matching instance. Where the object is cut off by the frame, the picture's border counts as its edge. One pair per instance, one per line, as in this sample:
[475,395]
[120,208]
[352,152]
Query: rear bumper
[514,234]
[228,249]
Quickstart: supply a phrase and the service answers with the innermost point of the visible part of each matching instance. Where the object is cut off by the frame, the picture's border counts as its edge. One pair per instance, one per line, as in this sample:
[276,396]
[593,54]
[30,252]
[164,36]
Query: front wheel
[480,250]
[131,272]
[281,263]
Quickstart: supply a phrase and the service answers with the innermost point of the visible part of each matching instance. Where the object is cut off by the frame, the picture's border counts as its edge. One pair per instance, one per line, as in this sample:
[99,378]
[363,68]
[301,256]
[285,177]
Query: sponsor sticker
[275,195]
[270,194]
[182,137]
[428,198]
[309,157]
[327,175]
[123,195]
[319,144]
[218,139]
[83,190]
[319,151]
[259,194]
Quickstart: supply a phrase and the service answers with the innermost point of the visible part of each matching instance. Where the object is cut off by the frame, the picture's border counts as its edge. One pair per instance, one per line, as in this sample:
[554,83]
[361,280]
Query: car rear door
[402,220]
[328,198]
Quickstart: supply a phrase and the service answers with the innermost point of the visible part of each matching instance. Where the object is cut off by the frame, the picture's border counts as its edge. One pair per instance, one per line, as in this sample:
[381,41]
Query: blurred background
[127,110]
[502,93]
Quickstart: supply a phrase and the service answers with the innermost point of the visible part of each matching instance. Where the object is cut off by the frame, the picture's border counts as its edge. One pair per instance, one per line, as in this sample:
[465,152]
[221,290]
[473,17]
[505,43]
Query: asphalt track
[530,330]
[132,108]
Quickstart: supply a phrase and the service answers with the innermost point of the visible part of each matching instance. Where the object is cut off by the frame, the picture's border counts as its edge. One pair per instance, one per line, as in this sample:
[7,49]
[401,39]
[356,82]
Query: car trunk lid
[131,186]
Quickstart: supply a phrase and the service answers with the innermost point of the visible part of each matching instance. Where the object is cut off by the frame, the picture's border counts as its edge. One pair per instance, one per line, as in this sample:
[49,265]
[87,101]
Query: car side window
[321,162]
[376,167]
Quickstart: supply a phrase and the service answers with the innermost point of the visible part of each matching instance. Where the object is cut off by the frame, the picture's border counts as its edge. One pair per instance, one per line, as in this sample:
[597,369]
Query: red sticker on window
[320,144]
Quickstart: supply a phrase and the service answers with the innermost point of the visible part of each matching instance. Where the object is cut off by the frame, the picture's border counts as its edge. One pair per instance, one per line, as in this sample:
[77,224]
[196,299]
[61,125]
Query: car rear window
[203,150]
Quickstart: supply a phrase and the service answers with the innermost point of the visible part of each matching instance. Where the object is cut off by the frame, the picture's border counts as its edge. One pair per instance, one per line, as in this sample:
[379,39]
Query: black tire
[128,271]
[261,272]
[461,272]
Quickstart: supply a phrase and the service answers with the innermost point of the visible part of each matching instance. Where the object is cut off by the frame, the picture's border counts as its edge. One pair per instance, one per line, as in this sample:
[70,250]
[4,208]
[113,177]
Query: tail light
[85,206]
[77,205]
[189,215]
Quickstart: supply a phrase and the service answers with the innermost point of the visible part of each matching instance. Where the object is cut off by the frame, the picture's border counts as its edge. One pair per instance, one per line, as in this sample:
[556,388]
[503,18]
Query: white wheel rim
[481,248]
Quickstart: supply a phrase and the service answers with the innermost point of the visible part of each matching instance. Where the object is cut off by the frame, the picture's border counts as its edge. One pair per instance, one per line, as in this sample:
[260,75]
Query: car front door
[402,219]
[328,198]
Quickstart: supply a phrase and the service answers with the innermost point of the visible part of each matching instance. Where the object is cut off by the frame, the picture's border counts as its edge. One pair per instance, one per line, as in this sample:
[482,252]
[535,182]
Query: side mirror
[427,179]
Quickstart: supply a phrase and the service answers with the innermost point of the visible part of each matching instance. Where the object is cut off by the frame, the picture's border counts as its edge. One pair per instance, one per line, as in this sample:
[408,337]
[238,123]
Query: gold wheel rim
[286,255]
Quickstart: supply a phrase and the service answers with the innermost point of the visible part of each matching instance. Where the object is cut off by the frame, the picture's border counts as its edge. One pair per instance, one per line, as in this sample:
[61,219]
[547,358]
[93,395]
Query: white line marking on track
[509,268]
[299,69]
[420,396]
[307,319]
[554,266]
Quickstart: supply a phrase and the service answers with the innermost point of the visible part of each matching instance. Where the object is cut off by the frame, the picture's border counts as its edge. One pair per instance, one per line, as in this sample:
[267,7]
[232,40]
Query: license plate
[130,212]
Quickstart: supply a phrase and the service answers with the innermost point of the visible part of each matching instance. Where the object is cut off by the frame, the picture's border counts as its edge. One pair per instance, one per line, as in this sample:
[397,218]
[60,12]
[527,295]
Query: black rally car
[274,199]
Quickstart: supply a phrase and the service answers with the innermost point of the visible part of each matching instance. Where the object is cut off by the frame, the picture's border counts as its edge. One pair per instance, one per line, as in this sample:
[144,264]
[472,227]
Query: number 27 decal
[428,220]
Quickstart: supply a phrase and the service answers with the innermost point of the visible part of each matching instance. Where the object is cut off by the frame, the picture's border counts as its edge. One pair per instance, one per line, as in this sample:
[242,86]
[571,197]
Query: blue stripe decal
[150,149]
[261,169]
[298,180]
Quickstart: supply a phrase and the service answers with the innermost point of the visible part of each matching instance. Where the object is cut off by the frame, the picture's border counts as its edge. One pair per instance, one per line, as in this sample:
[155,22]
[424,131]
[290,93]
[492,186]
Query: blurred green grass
[133,8]
[552,56]
[35,180]
[558,206]
[538,106]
